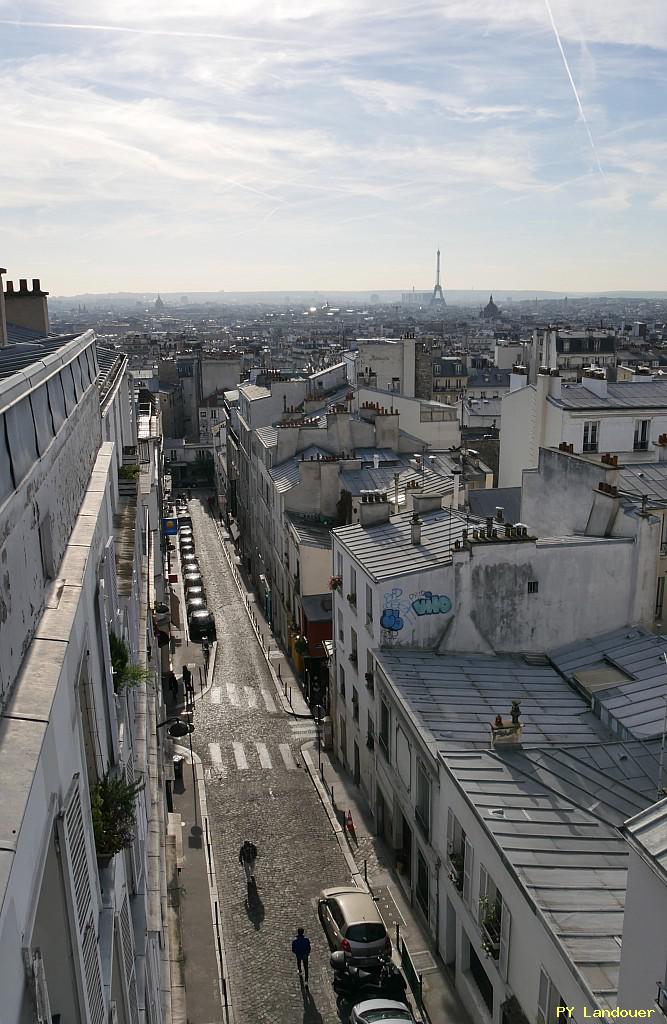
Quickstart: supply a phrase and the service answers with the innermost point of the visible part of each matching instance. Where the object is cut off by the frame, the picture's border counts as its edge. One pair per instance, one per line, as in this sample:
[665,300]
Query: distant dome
[490,311]
[159,304]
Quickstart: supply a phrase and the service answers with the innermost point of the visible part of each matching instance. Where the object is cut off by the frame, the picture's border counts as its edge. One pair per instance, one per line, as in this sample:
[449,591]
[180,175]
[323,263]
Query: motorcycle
[380,977]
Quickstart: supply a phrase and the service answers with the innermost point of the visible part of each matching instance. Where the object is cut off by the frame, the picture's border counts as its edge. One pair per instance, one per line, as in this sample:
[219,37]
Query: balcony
[490,918]
[352,658]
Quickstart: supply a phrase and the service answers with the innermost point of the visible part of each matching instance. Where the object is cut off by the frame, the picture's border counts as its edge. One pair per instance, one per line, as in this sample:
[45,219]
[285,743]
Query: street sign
[170,526]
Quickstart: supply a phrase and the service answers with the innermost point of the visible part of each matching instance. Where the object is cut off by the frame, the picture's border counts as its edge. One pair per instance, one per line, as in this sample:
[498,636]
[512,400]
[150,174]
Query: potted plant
[490,912]
[125,672]
[335,582]
[113,809]
[352,598]
[457,862]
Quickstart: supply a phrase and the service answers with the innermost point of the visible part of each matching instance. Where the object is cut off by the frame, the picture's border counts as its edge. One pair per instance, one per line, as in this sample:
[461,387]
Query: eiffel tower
[437,298]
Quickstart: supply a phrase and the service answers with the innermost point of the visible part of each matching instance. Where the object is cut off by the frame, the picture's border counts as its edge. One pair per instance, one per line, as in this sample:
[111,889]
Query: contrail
[574,90]
[176,33]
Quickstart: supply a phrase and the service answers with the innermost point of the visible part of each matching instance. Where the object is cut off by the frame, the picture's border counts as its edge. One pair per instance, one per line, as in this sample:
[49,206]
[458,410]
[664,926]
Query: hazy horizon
[164,149]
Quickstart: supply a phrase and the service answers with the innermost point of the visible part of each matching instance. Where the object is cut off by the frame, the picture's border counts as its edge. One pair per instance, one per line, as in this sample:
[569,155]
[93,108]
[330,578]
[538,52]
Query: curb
[216,917]
[286,706]
[357,877]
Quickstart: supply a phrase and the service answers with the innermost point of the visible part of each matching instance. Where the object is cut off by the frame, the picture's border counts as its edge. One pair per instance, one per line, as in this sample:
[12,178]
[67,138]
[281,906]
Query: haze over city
[327,144]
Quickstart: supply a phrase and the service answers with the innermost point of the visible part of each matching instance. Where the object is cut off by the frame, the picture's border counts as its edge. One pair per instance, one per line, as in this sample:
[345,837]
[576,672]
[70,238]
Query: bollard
[290,696]
[201,684]
[366,872]
[278,670]
[398,936]
[322,773]
[333,802]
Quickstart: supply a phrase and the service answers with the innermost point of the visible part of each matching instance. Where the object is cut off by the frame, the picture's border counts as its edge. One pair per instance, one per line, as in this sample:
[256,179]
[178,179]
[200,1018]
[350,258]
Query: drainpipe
[437,906]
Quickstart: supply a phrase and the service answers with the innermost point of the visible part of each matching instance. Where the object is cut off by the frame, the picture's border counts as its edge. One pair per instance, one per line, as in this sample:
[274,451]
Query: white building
[80,938]
[626,419]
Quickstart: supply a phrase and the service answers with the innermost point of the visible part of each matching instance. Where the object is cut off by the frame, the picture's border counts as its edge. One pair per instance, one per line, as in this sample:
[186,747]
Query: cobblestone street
[257,788]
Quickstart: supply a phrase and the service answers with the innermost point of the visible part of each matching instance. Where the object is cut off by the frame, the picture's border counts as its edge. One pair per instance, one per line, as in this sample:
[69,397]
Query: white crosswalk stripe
[286,755]
[232,694]
[239,755]
[215,754]
[216,695]
[269,702]
[264,757]
[250,696]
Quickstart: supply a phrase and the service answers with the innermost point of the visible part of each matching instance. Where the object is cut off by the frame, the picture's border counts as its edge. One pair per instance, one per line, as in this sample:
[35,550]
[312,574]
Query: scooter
[378,978]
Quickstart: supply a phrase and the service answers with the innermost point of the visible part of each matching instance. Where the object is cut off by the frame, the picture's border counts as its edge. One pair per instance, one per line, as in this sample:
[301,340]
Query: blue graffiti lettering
[432,604]
[391,620]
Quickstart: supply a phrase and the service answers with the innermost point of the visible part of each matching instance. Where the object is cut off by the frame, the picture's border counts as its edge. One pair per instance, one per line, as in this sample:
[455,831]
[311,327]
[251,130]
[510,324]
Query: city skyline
[327,146]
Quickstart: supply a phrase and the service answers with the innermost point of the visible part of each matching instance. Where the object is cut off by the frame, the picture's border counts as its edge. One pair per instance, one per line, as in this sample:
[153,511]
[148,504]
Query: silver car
[386,1010]
[352,922]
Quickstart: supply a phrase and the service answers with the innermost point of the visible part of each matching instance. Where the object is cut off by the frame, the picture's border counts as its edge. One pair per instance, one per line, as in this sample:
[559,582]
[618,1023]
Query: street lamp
[177,730]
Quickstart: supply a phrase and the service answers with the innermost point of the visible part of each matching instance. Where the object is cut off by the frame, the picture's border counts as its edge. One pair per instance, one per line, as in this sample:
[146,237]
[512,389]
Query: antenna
[662,745]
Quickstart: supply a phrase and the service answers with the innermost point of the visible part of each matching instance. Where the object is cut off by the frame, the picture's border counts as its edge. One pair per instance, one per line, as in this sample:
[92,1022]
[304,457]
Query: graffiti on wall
[399,610]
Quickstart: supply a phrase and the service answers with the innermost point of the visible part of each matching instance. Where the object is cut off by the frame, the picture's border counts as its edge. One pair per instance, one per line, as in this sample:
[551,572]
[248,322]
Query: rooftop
[310,532]
[647,832]
[484,501]
[644,478]
[625,674]
[457,696]
[624,395]
[571,865]
[386,550]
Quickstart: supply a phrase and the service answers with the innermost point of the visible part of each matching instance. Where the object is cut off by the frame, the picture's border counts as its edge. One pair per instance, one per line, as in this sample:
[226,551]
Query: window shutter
[83,891]
[504,958]
[467,874]
[135,848]
[543,998]
[483,889]
[110,584]
[127,947]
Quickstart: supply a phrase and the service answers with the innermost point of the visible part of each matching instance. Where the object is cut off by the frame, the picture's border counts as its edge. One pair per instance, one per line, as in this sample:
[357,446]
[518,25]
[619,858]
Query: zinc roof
[572,866]
[634,699]
[648,831]
[457,696]
[624,395]
[644,478]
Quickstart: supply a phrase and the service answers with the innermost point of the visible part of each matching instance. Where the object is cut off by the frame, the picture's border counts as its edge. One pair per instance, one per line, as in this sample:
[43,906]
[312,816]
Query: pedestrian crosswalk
[250,757]
[243,696]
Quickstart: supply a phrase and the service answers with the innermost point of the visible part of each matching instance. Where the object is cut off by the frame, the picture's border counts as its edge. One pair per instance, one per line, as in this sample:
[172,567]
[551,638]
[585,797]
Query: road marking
[250,696]
[268,701]
[232,694]
[287,755]
[216,754]
[216,695]
[239,755]
[264,758]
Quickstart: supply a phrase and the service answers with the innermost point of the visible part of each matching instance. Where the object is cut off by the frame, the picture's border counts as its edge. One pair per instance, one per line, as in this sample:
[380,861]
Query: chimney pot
[35,284]
[10,287]
[23,284]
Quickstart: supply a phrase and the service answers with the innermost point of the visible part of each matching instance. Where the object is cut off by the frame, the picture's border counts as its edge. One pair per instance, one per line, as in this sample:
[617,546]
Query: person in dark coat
[247,857]
[301,950]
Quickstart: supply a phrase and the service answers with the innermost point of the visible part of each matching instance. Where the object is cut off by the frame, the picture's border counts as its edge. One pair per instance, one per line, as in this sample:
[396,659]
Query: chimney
[518,377]
[500,514]
[422,503]
[595,381]
[661,444]
[376,461]
[554,384]
[416,530]
[3,319]
[373,508]
[27,308]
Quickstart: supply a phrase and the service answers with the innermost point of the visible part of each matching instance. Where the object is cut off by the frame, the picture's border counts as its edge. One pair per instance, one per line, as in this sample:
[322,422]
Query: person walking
[247,857]
[301,950]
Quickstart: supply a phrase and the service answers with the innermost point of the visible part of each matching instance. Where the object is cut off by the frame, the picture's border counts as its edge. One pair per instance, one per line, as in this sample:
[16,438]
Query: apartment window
[422,886]
[659,597]
[369,606]
[341,677]
[355,704]
[423,804]
[384,728]
[352,595]
[591,435]
[642,433]
[549,1000]
[494,922]
[533,586]
[353,646]
[341,630]
[339,565]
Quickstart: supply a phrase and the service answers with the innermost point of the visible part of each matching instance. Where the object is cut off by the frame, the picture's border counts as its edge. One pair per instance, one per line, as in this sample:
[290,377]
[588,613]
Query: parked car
[187,548]
[201,624]
[196,590]
[192,578]
[195,604]
[185,531]
[389,1011]
[352,922]
[190,558]
[184,521]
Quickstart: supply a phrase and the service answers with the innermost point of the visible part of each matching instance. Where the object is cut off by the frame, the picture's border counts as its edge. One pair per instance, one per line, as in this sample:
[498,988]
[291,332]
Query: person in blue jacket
[301,950]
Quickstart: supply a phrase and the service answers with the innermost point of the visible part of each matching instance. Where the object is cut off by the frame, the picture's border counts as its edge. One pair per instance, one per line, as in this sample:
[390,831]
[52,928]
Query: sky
[259,145]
